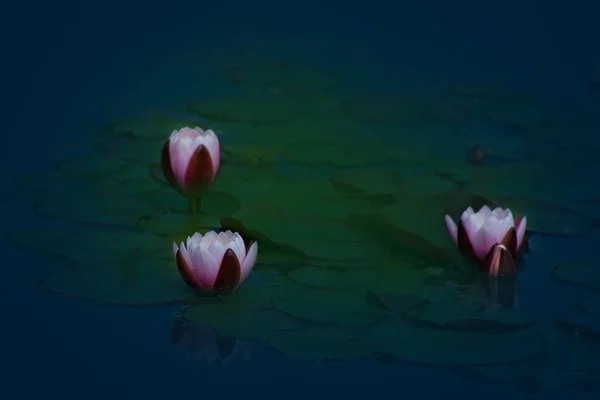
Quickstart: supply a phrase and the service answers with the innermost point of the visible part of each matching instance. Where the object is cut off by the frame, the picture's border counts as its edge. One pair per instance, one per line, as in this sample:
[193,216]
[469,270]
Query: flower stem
[193,206]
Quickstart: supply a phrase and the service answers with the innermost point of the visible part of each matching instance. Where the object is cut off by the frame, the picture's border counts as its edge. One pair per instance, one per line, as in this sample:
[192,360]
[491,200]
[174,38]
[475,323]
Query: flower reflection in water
[502,292]
[203,342]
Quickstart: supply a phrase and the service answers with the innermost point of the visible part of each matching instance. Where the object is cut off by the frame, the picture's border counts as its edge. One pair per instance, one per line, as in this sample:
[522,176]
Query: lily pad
[258,109]
[582,273]
[96,166]
[133,280]
[319,197]
[321,343]
[83,246]
[368,181]
[404,109]
[251,319]
[447,347]
[394,304]
[546,217]
[461,315]
[414,223]
[133,149]
[313,236]
[343,308]
[330,279]
[102,209]
[151,128]
[177,226]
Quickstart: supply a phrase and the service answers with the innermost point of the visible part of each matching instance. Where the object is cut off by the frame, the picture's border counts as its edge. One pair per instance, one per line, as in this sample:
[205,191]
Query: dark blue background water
[69,67]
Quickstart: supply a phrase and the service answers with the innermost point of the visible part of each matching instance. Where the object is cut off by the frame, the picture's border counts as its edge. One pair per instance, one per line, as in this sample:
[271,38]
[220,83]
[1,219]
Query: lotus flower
[490,236]
[216,262]
[203,342]
[190,160]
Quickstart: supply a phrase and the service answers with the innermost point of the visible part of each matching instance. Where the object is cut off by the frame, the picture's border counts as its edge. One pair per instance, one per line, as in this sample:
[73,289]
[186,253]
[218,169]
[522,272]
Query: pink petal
[472,225]
[180,152]
[248,263]
[206,268]
[494,230]
[479,245]
[452,229]
[521,227]
[213,147]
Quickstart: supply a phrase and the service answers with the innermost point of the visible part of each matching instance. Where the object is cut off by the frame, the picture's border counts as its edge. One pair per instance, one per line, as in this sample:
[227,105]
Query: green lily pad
[321,343]
[447,347]
[81,246]
[394,304]
[151,128]
[245,314]
[319,197]
[368,181]
[408,109]
[313,236]
[579,273]
[343,308]
[388,181]
[461,315]
[134,280]
[103,209]
[414,223]
[215,203]
[546,217]
[427,184]
[330,279]
[95,166]
[340,154]
[258,109]
[177,225]
[132,149]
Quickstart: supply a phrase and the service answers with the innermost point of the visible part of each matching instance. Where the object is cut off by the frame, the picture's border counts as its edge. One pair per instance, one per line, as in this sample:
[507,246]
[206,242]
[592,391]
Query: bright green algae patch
[346,196]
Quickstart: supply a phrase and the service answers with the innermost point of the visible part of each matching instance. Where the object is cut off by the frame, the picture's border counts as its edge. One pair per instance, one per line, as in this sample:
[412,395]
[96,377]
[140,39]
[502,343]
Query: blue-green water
[74,68]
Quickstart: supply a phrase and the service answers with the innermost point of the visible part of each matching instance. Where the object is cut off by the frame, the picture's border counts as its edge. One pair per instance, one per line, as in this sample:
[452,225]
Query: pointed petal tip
[451,227]
[500,262]
[229,273]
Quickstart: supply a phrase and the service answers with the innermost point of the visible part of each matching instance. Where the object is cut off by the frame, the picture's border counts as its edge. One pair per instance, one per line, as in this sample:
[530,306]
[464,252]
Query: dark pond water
[347,132]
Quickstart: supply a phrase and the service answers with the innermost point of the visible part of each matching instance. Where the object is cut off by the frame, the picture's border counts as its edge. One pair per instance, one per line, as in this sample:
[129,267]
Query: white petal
[194,240]
[208,239]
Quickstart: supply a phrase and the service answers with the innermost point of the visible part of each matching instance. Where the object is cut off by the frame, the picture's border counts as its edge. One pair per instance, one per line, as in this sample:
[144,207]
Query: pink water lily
[215,262]
[190,160]
[491,236]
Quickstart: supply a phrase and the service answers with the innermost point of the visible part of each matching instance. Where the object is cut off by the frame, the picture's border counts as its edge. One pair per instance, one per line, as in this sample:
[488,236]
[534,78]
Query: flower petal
[186,269]
[521,227]
[494,230]
[229,273]
[206,268]
[452,229]
[248,263]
